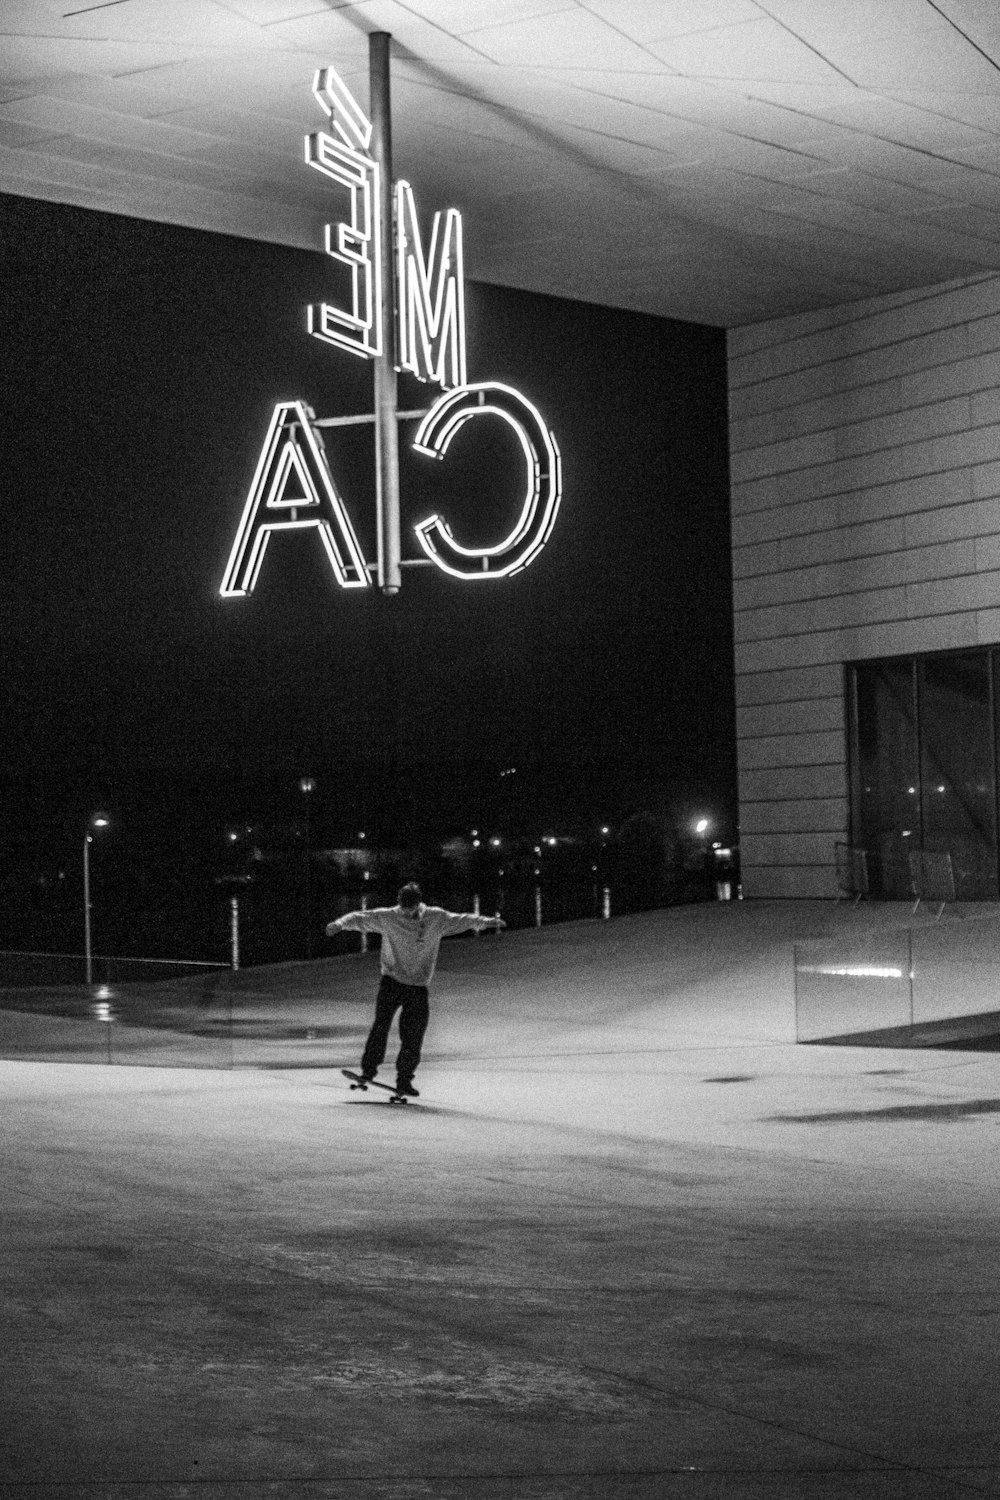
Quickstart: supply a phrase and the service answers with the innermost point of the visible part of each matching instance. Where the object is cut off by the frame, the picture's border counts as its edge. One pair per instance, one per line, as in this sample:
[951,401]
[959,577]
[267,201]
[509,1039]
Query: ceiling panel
[717,160]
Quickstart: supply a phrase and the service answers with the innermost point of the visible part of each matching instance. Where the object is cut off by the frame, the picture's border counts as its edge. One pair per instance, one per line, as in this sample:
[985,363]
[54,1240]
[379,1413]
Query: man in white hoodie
[411,936]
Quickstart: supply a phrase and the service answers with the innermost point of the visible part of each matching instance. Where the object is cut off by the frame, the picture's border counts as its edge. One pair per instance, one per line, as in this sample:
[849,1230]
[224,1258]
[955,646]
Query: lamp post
[97,820]
[702,829]
[307,786]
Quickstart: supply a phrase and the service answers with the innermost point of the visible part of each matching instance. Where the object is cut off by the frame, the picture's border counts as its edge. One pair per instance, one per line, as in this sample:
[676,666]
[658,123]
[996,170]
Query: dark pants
[414,1010]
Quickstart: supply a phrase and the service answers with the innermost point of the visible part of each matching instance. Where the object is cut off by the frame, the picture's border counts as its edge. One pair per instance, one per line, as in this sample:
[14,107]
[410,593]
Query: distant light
[233,838]
[495,843]
[476,843]
[99,821]
[605,829]
[361,835]
[940,788]
[307,784]
[911,789]
[701,825]
[860,971]
[551,842]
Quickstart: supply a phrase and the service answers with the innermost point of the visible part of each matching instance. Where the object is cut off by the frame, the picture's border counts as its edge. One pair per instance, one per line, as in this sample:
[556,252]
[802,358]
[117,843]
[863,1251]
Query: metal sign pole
[386,399]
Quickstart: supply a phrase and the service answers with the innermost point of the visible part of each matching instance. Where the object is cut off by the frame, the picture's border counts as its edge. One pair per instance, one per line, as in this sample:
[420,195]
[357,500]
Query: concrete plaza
[631,1244]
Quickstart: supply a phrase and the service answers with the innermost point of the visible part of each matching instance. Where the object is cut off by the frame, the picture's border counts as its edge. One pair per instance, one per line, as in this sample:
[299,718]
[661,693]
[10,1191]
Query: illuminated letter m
[430,294]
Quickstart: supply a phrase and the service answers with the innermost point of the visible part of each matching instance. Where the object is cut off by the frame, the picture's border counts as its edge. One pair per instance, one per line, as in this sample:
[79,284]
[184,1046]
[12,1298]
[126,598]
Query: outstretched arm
[356,921]
[467,921]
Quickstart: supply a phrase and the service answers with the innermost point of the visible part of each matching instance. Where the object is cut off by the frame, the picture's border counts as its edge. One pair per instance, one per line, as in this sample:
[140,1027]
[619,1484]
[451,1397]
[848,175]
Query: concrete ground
[631,1244]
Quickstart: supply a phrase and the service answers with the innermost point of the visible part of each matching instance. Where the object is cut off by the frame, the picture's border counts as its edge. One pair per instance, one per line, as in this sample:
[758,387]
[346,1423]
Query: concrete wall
[865,451]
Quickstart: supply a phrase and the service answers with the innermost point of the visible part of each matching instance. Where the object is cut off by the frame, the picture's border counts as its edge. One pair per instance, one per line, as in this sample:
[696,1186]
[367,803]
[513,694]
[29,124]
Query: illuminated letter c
[541,501]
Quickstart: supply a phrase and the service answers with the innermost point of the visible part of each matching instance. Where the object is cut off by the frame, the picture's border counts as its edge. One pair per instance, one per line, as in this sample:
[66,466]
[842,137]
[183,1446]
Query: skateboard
[362,1084]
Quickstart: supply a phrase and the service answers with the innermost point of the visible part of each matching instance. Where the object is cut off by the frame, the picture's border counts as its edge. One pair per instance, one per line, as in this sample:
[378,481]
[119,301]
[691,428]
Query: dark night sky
[140,366]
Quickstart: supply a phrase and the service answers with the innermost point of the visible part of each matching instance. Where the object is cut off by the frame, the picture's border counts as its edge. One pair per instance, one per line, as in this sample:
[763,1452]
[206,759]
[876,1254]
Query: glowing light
[293,449]
[544,490]
[701,826]
[858,971]
[430,295]
[357,243]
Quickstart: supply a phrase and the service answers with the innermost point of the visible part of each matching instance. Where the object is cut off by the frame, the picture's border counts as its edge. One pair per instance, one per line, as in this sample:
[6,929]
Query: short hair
[410,895]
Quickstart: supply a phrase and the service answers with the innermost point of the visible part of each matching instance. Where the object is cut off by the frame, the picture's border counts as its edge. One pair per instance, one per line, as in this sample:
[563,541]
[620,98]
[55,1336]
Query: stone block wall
[865,467]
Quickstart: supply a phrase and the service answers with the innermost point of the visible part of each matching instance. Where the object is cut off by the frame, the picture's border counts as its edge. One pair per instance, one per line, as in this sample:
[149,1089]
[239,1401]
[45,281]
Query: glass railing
[922,985]
[195,1017]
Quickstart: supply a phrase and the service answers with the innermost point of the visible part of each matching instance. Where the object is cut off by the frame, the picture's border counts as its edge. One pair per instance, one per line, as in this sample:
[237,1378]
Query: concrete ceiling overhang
[719,161]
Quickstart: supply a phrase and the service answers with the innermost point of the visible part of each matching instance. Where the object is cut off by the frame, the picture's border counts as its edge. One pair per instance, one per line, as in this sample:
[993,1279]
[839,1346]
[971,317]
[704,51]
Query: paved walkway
[632,1243]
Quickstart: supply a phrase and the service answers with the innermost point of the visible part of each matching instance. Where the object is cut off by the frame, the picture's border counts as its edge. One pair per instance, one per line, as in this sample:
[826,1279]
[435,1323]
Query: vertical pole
[234,931]
[308,883]
[386,429]
[88,960]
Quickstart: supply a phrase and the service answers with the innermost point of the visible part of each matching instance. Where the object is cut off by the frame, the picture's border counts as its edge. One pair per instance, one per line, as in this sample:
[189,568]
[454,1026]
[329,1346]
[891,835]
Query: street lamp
[307,786]
[97,820]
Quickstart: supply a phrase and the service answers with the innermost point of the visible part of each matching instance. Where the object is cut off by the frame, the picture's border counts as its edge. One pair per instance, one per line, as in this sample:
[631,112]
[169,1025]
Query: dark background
[140,365]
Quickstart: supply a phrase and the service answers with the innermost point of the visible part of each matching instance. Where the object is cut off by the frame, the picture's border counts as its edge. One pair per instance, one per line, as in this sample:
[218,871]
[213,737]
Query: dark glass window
[957,789]
[887,794]
[923,768]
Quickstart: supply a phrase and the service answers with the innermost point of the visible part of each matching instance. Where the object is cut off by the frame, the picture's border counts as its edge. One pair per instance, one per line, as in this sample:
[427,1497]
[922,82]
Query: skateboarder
[411,936]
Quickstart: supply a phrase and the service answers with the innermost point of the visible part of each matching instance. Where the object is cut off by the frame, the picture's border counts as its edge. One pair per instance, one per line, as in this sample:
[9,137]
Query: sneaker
[368,1074]
[408,1090]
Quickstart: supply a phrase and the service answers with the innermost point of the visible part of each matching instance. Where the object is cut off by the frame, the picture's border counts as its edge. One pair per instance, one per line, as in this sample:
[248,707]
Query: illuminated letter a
[293,489]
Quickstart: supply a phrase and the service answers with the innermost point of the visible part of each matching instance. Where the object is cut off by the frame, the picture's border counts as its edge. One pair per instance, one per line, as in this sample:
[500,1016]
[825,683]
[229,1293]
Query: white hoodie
[410,938]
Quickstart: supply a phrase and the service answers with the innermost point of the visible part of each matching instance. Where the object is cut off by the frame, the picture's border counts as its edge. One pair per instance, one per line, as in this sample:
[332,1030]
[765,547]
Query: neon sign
[412,297]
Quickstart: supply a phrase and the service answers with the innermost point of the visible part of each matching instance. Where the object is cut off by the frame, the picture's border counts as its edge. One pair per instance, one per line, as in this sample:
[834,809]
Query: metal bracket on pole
[386,431]
[367,417]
